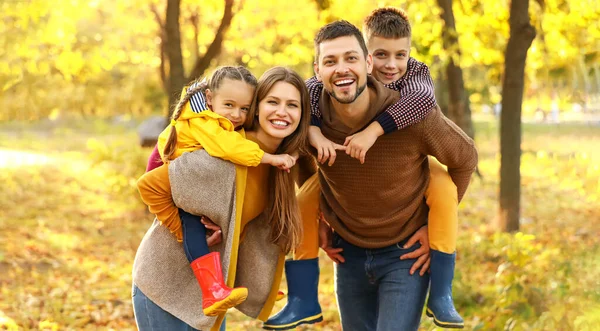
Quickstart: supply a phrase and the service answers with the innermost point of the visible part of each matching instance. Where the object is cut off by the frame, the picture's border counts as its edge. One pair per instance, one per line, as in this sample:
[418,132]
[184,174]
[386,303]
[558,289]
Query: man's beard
[349,99]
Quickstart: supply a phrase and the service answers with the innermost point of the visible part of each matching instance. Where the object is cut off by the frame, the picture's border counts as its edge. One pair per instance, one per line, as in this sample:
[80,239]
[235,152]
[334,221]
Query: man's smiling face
[343,68]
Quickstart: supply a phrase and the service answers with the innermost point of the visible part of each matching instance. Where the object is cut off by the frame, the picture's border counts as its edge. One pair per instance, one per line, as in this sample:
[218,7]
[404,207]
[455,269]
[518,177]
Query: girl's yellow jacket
[212,132]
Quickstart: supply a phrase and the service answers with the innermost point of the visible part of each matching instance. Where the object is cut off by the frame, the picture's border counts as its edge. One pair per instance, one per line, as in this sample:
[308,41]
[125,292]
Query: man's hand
[326,241]
[213,232]
[359,143]
[325,147]
[421,254]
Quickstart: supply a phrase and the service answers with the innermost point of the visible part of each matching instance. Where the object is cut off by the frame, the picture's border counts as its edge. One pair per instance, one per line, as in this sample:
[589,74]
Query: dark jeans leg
[150,317]
[194,235]
[375,291]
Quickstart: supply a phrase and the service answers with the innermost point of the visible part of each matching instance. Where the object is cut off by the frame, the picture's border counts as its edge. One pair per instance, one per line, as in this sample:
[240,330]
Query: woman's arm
[155,190]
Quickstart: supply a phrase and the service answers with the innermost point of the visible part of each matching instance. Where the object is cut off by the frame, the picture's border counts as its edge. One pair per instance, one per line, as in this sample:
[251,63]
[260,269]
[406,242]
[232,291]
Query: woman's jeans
[150,317]
[374,289]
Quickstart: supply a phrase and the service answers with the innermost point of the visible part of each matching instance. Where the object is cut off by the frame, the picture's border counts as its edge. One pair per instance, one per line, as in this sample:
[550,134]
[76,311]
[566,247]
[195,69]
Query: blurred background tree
[77,76]
[109,58]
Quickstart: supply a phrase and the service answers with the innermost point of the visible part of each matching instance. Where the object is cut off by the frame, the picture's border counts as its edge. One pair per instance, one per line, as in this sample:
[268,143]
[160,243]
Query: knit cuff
[387,123]
[316,121]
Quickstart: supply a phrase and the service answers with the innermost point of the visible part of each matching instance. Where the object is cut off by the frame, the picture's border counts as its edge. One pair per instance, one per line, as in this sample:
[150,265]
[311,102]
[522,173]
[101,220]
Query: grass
[71,222]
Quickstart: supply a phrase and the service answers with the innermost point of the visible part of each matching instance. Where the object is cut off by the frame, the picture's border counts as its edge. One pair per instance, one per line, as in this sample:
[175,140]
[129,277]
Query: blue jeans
[150,317]
[374,289]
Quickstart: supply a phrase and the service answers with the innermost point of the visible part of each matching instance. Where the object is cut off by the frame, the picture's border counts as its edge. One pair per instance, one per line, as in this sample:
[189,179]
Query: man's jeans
[149,316]
[375,290]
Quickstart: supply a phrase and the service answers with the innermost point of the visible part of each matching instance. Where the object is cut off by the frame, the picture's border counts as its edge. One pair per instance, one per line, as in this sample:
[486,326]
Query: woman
[259,226]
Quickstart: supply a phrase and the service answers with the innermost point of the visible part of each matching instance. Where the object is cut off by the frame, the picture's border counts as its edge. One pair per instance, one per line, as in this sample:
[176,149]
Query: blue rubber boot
[440,305]
[303,296]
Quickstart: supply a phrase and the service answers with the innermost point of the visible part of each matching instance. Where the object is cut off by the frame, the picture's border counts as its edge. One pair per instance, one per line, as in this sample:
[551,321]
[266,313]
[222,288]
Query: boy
[388,35]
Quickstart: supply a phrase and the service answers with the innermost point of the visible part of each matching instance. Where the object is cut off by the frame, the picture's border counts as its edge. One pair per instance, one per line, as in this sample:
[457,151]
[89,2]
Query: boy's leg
[302,273]
[194,235]
[442,199]
[308,203]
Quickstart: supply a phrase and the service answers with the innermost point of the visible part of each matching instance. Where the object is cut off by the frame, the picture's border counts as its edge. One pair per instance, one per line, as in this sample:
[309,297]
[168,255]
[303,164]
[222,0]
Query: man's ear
[369,63]
[316,69]
[209,96]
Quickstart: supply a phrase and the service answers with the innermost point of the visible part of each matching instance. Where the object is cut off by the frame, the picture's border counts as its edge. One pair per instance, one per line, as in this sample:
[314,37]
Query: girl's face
[231,100]
[279,112]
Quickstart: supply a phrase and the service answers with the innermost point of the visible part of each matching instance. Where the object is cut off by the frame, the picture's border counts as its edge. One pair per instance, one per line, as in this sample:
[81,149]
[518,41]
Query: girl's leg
[194,235]
[442,200]
[217,297]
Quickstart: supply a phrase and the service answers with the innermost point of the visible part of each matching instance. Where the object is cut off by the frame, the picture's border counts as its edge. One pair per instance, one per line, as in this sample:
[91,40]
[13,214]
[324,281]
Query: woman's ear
[209,96]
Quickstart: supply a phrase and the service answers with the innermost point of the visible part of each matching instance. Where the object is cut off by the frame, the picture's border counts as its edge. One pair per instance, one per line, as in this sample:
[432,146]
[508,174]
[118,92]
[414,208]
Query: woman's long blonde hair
[282,208]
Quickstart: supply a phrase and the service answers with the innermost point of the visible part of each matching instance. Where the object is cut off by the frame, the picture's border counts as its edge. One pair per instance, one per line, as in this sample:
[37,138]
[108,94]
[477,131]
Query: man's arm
[417,98]
[306,168]
[452,147]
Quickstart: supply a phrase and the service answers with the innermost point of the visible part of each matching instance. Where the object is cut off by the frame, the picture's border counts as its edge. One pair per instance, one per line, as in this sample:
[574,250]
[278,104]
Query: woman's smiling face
[279,112]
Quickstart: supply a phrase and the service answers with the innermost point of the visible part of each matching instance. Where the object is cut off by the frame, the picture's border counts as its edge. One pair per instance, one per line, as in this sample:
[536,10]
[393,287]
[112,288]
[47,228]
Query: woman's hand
[421,254]
[213,232]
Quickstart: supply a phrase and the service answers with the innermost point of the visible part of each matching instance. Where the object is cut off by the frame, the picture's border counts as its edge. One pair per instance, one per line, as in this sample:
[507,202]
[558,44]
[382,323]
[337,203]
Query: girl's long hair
[213,83]
[282,208]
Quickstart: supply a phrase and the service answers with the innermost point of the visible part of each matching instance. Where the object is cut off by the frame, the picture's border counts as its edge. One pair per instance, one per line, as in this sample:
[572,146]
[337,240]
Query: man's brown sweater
[381,202]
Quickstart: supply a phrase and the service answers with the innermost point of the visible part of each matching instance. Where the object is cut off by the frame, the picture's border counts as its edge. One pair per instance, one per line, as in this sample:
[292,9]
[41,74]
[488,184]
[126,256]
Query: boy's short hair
[338,29]
[387,22]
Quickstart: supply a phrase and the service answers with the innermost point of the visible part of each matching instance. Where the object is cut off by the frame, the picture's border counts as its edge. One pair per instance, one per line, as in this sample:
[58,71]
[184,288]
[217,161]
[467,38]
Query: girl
[228,93]
[278,122]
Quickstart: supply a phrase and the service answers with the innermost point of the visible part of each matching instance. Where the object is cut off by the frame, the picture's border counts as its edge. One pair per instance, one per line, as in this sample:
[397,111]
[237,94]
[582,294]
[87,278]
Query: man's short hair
[338,29]
[387,22]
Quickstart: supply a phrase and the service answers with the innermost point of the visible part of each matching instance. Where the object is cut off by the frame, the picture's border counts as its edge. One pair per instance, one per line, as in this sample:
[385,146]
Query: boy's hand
[359,143]
[325,147]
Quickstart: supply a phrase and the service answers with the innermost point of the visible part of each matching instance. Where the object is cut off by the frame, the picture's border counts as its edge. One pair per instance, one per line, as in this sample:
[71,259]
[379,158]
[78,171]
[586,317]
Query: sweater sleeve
[314,91]
[224,144]
[452,147]
[155,190]
[417,98]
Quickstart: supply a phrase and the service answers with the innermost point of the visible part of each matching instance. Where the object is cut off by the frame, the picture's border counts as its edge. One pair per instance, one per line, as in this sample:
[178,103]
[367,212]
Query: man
[373,208]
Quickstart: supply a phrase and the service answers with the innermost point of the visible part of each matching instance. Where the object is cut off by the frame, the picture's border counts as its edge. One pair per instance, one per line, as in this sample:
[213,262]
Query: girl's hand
[213,232]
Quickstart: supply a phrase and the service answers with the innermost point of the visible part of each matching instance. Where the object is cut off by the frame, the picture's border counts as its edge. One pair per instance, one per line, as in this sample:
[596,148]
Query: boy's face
[390,58]
[343,68]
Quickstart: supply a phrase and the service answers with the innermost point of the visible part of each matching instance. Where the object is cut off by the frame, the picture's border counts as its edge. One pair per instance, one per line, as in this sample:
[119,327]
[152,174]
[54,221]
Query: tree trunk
[176,77]
[441,91]
[521,37]
[458,106]
[202,63]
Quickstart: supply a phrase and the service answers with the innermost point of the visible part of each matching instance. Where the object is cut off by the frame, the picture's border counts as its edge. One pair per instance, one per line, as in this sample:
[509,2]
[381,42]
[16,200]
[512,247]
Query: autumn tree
[522,34]
[458,106]
[172,71]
